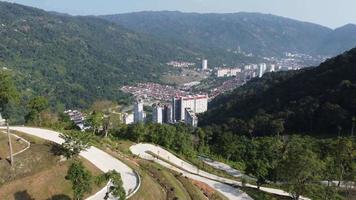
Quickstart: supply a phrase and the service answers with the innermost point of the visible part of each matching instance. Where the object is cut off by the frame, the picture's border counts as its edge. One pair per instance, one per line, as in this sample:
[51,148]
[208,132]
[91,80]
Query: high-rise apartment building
[157,114]
[139,114]
[204,64]
[197,103]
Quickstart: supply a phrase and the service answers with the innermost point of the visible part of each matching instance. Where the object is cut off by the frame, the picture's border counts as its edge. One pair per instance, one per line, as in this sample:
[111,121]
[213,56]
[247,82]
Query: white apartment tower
[261,69]
[139,114]
[157,114]
[197,104]
[204,64]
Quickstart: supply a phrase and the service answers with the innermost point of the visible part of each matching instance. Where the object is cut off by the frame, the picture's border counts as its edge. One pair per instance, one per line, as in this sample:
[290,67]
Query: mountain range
[320,100]
[75,60]
[260,34]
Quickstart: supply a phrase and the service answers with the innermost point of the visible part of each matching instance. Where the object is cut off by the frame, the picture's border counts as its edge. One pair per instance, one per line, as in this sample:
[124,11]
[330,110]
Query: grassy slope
[173,187]
[38,174]
[4,149]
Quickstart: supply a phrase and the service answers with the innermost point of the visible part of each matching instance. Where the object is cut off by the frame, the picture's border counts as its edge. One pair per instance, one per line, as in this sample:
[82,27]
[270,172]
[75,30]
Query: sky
[330,13]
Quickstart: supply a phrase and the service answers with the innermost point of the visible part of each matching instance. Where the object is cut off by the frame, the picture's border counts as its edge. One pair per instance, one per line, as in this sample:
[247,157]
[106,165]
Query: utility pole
[10,144]
[353,126]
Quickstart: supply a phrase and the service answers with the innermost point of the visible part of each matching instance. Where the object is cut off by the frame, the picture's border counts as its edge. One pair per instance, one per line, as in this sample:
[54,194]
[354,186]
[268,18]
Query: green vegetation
[74,143]
[316,101]
[299,162]
[8,94]
[193,191]
[35,107]
[260,195]
[174,188]
[80,179]
[116,189]
[74,61]
[38,173]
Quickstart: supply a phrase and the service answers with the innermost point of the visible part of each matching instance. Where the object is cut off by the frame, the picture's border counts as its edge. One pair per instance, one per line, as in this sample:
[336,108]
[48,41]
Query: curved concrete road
[193,172]
[99,158]
[189,170]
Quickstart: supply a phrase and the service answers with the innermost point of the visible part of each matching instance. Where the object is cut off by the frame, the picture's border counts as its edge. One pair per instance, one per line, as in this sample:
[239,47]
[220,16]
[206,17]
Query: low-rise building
[77,117]
[227,72]
[128,118]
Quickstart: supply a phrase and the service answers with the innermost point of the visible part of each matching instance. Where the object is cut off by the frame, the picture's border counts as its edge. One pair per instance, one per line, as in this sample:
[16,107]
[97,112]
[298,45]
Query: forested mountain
[260,34]
[74,60]
[319,100]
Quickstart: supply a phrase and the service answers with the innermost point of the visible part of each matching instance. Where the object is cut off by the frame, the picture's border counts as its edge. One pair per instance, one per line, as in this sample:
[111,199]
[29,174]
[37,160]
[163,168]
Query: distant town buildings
[77,117]
[180,64]
[2,121]
[190,118]
[139,114]
[204,64]
[197,103]
[227,72]
[153,92]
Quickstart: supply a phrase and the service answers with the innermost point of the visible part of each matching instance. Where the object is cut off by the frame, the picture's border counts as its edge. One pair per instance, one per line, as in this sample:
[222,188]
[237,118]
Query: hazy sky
[332,13]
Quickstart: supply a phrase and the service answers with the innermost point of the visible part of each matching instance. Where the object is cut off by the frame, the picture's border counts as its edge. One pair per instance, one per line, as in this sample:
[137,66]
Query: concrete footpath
[99,158]
[223,185]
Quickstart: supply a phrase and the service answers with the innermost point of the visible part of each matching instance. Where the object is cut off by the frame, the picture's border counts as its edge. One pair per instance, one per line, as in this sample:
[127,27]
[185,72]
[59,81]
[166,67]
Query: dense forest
[256,33]
[75,60]
[320,100]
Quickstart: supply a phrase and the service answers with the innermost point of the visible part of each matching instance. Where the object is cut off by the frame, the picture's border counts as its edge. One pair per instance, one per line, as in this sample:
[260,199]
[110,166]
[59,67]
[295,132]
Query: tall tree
[74,143]
[299,167]
[263,157]
[116,188]
[80,178]
[96,120]
[35,107]
[8,92]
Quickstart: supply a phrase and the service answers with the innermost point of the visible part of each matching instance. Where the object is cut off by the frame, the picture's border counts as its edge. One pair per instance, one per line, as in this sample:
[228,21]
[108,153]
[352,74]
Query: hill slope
[74,60]
[339,40]
[316,100]
[260,34]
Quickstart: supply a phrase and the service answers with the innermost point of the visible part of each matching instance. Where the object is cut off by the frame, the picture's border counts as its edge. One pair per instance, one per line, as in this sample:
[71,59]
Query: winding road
[216,182]
[223,185]
[99,158]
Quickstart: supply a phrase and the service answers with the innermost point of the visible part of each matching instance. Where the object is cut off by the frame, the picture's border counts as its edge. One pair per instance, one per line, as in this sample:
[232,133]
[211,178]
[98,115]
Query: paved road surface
[227,190]
[221,166]
[211,179]
[99,158]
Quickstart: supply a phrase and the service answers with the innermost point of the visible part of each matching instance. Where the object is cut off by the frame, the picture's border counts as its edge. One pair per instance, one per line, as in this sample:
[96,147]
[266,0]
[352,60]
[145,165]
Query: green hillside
[260,34]
[319,100]
[75,60]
